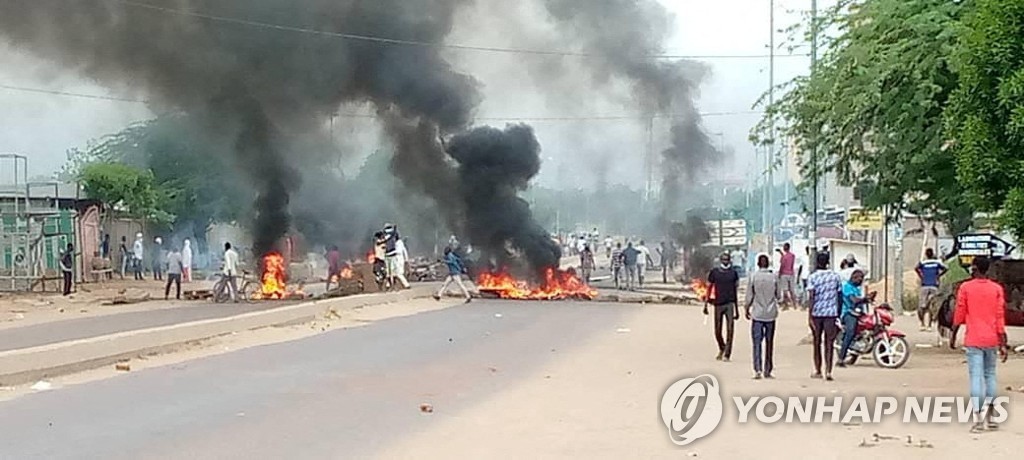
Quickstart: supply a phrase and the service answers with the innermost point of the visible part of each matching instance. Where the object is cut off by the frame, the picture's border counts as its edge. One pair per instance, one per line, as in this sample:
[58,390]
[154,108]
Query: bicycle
[248,292]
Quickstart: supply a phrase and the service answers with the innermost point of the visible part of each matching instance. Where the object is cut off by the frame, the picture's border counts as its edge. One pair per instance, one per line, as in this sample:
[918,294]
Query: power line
[395,41]
[69,94]
[372,116]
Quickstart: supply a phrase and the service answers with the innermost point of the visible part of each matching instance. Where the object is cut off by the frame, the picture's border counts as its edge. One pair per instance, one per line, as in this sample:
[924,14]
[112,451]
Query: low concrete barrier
[30,364]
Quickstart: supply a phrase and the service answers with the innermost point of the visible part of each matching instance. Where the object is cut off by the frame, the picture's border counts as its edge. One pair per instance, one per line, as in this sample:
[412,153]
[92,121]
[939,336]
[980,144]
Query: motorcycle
[888,346]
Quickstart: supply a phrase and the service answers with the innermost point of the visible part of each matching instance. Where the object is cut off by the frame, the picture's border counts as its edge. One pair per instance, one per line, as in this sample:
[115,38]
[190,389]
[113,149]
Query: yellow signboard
[865,220]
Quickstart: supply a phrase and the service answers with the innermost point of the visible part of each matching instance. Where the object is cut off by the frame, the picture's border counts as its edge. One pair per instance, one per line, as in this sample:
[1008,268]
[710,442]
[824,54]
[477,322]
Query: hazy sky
[45,126]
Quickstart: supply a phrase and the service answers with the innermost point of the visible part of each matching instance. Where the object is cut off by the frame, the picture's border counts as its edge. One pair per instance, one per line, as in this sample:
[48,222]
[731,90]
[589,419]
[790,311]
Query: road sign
[727,232]
[971,245]
[864,220]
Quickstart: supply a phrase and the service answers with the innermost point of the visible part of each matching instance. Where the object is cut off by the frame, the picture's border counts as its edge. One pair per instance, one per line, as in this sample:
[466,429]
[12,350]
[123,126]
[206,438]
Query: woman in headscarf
[186,261]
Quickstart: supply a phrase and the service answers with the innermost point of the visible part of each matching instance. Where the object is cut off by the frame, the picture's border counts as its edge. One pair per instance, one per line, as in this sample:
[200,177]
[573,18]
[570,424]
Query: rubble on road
[129,296]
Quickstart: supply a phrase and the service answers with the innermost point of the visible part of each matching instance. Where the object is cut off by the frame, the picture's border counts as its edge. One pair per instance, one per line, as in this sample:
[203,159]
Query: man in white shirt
[137,252]
[230,270]
[641,262]
[803,268]
[397,262]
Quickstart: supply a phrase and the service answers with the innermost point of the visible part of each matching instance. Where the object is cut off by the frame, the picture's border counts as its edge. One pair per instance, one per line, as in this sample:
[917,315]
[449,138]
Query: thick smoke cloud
[265,89]
[622,35]
[257,86]
[494,166]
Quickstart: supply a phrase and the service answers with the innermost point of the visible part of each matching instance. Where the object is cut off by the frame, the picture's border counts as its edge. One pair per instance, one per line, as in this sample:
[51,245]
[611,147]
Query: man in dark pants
[67,264]
[724,280]
[762,310]
[854,301]
[174,269]
[824,287]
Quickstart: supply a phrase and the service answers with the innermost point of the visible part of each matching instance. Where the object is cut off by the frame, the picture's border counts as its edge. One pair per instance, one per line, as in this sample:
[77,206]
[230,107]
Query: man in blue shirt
[853,297]
[929,271]
[823,294]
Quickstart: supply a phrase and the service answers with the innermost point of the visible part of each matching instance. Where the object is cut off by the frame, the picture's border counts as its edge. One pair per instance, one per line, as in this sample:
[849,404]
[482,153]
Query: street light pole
[771,126]
[812,236]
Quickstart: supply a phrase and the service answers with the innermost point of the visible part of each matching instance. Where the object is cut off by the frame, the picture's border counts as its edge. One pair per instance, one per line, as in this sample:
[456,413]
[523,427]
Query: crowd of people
[836,299]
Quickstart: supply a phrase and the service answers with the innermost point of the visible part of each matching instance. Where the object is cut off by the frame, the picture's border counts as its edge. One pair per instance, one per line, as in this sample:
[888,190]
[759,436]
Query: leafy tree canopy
[873,106]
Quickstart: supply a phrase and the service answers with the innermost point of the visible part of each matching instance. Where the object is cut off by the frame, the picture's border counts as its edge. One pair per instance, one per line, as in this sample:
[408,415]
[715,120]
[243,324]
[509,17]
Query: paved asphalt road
[345,393]
[81,328]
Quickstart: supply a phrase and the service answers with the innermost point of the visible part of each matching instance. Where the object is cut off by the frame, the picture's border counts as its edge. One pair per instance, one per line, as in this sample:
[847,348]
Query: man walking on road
[175,268]
[980,305]
[762,309]
[586,264]
[930,272]
[630,256]
[823,295]
[230,270]
[724,281]
[787,277]
[455,271]
[643,258]
[616,263]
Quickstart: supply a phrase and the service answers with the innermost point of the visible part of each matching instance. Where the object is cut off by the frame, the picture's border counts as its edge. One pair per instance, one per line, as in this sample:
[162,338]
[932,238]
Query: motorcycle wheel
[891,354]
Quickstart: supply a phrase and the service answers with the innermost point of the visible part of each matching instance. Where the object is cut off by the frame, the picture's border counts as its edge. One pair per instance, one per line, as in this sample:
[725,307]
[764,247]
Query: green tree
[200,184]
[873,106]
[127,189]
[985,119]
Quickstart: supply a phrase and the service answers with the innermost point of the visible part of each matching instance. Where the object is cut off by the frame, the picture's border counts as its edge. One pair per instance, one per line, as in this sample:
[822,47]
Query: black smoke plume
[265,90]
[624,35]
[259,87]
[493,167]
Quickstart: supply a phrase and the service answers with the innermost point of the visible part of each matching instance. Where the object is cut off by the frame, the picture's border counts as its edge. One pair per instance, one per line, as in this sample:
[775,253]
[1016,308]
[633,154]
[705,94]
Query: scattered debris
[240,414]
[493,369]
[497,315]
[865,443]
[61,310]
[1019,349]
[623,330]
[83,311]
[123,367]
[42,385]
[923,345]
[884,437]
[922,444]
[691,454]
[426,408]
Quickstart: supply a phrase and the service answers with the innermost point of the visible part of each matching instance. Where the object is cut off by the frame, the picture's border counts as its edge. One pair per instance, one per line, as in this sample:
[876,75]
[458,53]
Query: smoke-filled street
[515,229]
[502,380]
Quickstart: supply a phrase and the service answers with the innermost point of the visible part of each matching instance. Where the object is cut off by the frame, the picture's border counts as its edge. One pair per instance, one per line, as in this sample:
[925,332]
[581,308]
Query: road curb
[44,361]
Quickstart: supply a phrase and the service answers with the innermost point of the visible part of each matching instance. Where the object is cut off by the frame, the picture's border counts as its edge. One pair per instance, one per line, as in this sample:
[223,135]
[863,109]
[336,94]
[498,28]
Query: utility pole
[771,126]
[812,236]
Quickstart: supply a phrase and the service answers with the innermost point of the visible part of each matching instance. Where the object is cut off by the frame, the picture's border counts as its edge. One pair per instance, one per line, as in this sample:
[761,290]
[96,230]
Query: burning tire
[891,354]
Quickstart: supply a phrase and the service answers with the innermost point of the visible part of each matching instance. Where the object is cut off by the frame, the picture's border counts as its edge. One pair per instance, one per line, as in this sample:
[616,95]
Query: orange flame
[371,257]
[705,291]
[273,280]
[557,284]
[345,274]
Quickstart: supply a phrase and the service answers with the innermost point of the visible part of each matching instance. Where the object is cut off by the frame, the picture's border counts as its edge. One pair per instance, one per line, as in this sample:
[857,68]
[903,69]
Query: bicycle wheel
[220,292]
[250,291]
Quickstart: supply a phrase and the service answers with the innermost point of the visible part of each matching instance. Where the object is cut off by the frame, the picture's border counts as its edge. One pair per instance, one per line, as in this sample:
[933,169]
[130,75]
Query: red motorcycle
[888,347]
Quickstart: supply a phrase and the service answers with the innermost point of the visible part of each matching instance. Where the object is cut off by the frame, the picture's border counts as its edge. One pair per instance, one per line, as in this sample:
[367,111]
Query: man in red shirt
[980,305]
[787,277]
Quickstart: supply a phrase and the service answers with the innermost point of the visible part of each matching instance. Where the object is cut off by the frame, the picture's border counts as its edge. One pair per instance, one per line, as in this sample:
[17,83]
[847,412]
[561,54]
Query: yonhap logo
[691,408]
